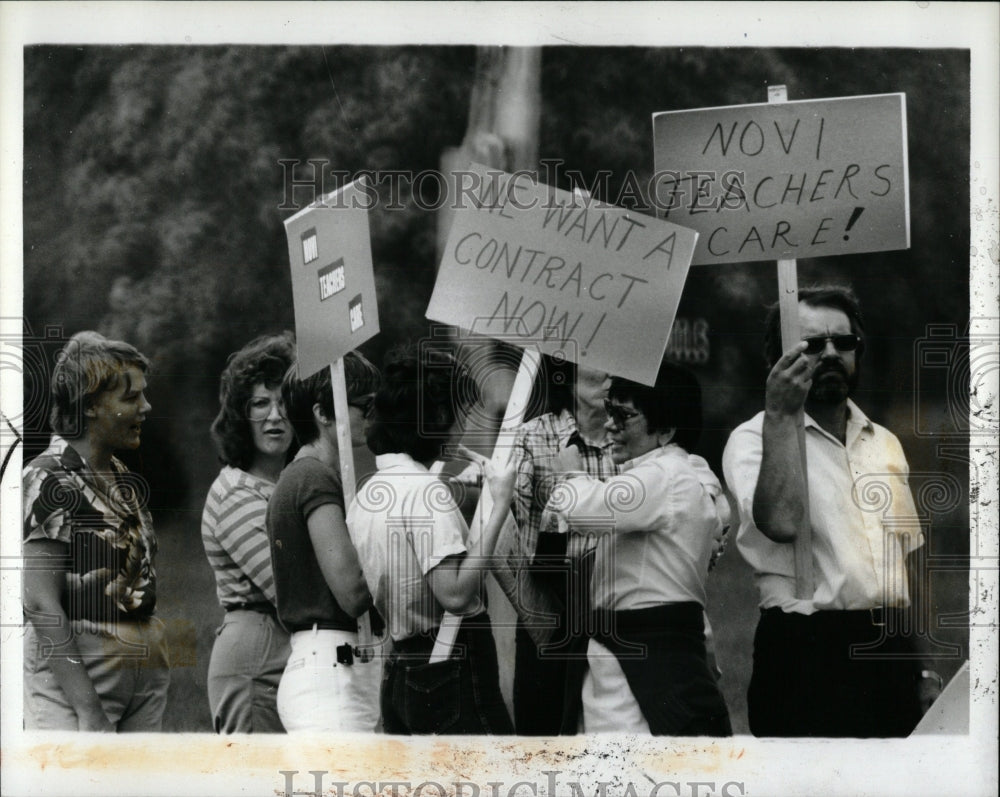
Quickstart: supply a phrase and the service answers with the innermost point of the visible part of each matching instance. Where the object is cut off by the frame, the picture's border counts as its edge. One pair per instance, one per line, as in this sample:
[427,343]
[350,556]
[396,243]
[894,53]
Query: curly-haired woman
[253,437]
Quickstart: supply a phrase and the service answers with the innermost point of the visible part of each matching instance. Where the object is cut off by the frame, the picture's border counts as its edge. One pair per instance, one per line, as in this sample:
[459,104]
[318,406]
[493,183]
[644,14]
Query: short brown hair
[299,395]
[88,364]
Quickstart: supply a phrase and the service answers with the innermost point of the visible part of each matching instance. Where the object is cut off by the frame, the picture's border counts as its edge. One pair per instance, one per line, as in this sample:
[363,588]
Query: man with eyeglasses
[835,663]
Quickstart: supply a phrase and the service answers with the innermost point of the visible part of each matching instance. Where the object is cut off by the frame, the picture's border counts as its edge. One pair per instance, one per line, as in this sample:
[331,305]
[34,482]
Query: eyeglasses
[364,403]
[618,414]
[259,408]
[815,345]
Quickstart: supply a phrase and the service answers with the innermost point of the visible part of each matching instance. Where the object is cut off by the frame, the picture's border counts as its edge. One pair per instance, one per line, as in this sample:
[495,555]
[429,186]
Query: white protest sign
[333,286]
[796,179]
[536,266]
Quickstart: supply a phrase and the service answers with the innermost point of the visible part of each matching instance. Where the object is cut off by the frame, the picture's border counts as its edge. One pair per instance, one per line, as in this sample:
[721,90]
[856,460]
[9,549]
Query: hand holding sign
[500,477]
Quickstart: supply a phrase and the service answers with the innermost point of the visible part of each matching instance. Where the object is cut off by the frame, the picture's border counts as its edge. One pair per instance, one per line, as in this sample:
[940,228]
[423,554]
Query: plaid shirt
[536,445]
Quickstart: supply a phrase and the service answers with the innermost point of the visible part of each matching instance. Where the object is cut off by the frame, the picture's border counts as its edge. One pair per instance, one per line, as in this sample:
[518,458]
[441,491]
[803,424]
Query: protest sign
[537,266]
[333,293]
[333,286]
[796,179]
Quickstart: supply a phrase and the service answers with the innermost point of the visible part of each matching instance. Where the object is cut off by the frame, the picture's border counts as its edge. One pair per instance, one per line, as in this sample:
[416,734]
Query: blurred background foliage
[152,187]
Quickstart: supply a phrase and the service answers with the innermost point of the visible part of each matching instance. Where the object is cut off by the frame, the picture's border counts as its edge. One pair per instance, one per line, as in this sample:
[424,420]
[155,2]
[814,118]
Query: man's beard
[828,390]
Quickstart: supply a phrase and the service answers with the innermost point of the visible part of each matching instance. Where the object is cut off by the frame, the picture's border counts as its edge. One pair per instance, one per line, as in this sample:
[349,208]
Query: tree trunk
[504,112]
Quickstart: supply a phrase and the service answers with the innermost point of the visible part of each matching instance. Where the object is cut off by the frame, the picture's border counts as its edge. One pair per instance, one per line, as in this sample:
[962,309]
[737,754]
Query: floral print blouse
[103,520]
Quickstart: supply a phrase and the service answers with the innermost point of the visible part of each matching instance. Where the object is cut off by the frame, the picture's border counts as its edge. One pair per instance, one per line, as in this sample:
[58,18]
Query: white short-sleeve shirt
[403,523]
[864,521]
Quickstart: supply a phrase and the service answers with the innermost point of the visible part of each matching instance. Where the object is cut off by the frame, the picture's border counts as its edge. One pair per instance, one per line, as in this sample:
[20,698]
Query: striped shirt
[235,538]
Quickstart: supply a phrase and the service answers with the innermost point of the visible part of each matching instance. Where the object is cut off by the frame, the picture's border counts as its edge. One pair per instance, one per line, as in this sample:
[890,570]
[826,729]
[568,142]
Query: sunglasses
[259,408]
[817,344]
[619,414]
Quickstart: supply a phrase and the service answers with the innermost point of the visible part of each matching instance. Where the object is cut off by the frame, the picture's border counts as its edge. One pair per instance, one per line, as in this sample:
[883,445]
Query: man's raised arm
[779,505]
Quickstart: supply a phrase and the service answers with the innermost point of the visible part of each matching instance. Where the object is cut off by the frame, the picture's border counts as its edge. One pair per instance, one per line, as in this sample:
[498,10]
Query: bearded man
[842,661]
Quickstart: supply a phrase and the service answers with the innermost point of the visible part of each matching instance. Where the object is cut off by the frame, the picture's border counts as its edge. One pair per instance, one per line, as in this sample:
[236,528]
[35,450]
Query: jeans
[248,657]
[456,696]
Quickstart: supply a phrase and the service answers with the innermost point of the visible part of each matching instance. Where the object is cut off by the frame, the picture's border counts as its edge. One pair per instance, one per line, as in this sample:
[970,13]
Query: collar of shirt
[68,456]
[857,422]
[566,426]
[249,481]
[666,448]
[399,460]
[71,460]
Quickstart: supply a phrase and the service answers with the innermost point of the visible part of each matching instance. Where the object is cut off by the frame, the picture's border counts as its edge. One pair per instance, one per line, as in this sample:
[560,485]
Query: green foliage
[152,188]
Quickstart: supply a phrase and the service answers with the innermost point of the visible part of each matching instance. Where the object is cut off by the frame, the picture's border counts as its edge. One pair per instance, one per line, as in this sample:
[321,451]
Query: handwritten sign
[333,286]
[537,266]
[787,180]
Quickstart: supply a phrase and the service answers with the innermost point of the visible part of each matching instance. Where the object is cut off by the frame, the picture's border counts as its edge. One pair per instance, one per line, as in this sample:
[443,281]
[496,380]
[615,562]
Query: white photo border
[203,764]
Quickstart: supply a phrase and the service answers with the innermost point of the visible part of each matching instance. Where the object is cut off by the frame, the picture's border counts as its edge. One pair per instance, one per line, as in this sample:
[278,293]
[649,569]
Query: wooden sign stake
[345,450]
[338,384]
[788,304]
[527,370]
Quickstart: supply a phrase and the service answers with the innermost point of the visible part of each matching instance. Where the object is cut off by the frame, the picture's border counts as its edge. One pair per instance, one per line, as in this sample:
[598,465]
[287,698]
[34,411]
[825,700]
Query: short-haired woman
[646,669]
[418,557]
[253,437]
[95,658]
[327,685]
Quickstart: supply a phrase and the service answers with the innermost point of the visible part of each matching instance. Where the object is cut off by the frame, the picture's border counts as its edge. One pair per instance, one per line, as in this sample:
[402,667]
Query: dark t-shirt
[303,597]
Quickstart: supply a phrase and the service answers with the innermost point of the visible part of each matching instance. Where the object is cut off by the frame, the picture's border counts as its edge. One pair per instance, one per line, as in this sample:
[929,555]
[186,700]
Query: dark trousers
[807,682]
[456,696]
[540,673]
[539,685]
[661,650]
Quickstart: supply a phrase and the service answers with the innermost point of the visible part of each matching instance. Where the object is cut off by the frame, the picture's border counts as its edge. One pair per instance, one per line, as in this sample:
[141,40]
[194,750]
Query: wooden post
[788,303]
[338,384]
[345,450]
[513,417]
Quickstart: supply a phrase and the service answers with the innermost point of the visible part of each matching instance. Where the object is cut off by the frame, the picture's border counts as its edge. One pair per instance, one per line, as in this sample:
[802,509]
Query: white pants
[608,703]
[318,694]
